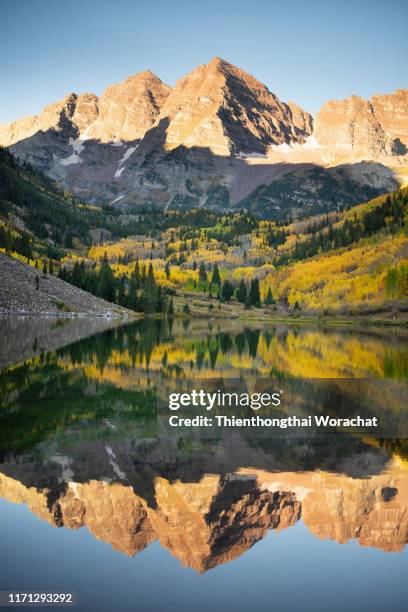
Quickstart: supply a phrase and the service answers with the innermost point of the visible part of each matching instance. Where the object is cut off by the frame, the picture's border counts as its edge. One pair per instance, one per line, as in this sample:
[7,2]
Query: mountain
[224,109]
[365,129]
[220,517]
[127,110]
[214,140]
[123,112]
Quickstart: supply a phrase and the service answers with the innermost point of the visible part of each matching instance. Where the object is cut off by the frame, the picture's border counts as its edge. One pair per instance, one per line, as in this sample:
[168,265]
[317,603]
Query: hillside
[347,262]
[351,260]
[34,204]
[25,290]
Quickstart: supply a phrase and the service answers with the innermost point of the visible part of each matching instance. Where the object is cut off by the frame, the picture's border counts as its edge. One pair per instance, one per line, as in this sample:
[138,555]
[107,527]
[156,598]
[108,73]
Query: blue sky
[306,51]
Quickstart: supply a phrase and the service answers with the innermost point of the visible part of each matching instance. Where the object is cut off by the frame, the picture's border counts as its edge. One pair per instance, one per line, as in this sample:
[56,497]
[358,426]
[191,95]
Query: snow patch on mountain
[123,160]
[77,146]
[310,143]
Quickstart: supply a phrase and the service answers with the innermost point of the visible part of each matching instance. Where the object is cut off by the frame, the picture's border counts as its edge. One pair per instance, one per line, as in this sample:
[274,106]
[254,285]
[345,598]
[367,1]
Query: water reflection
[82,442]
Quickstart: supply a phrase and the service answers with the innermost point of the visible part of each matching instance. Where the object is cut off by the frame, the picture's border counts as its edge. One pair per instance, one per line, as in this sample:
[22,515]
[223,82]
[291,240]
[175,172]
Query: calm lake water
[100,497]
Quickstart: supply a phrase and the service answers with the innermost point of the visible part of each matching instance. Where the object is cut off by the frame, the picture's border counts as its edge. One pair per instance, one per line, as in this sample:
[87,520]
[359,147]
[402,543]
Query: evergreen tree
[106,281]
[132,301]
[254,295]
[202,274]
[121,298]
[167,270]
[216,279]
[269,300]
[227,291]
[149,296]
[186,309]
[161,301]
[242,291]
[136,273]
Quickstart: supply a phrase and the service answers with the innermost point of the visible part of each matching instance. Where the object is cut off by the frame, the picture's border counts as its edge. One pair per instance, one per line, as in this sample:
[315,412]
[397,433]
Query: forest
[347,261]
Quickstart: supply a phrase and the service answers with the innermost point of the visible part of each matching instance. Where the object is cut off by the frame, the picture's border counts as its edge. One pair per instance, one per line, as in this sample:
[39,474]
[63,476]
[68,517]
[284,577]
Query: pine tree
[254,295]
[161,301]
[242,291]
[121,298]
[269,300]
[216,279]
[106,281]
[149,296]
[167,270]
[143,276]
[202,274]
[227,291]
[132,301]
[136,273]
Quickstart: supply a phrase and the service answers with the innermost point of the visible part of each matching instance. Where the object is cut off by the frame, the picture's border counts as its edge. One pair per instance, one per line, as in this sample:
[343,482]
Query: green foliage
[242,292]
[202,274]
[254,294]
[16,241]
[391,215]
[216,278]
[227,291]
[269,300]
[396,282]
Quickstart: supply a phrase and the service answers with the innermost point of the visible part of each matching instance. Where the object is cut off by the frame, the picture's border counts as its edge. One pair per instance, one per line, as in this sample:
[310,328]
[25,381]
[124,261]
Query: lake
[99,496]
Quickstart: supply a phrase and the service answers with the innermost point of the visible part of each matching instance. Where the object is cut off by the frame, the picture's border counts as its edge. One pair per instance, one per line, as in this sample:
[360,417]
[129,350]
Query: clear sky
[307,51]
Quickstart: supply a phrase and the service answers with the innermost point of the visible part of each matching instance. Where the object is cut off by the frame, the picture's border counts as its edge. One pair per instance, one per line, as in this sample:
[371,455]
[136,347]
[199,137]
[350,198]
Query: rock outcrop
[65,119]
[127,110]
[360,129]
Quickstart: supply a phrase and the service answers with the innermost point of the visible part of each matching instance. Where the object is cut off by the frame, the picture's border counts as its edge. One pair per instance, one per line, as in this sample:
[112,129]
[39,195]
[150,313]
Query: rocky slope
[19,294]
[211,141]
[365,129]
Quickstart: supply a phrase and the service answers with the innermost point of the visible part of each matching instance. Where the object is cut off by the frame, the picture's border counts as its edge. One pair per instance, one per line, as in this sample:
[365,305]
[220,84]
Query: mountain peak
[224,109]
[143,76]
[219,62]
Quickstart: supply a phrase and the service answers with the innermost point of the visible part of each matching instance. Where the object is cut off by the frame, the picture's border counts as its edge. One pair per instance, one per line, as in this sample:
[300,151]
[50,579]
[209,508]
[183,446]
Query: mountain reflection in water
[82,444]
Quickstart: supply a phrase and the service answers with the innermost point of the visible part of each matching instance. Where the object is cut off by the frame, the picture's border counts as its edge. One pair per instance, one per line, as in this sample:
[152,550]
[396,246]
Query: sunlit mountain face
[84,444]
